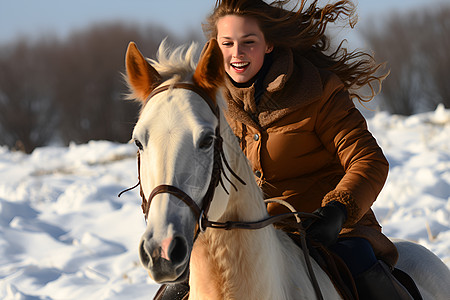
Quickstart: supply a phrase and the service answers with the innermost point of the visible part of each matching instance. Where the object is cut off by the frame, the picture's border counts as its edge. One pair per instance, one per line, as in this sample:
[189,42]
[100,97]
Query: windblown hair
[302,28]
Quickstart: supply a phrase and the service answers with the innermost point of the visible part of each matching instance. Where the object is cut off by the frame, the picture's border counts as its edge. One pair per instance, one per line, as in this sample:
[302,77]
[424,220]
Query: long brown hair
[302,28]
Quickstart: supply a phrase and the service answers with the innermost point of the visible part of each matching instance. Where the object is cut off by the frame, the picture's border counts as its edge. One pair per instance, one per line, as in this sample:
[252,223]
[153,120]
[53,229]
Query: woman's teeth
[240,65]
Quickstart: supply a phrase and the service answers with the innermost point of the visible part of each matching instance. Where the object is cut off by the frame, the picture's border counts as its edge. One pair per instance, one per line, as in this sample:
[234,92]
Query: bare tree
[71,90]
[436,43]
[415,45]
[90,89]
[28,116]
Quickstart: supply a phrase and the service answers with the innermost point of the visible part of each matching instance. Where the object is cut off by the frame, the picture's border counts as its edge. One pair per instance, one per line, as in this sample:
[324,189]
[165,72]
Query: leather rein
[201,213]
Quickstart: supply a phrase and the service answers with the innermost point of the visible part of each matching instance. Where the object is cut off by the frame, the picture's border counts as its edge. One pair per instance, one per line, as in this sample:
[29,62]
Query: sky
[33,18]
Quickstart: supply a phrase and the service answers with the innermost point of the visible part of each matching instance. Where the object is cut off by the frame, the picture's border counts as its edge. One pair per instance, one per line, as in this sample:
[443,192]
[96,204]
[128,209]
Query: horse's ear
[210,72]
[141,76]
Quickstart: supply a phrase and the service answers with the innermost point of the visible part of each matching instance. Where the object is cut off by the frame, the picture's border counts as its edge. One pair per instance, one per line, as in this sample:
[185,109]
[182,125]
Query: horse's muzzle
[166,261]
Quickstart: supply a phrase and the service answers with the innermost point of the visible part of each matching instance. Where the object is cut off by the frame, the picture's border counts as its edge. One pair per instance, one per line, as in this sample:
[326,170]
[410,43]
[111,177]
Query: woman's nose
[237,52]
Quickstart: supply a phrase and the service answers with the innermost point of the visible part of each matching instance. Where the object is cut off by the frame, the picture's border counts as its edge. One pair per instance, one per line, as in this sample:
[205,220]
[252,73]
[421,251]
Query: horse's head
[176,135]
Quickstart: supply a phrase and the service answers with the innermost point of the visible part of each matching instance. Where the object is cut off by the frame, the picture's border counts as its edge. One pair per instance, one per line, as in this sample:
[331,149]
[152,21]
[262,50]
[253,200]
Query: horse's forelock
[176,63]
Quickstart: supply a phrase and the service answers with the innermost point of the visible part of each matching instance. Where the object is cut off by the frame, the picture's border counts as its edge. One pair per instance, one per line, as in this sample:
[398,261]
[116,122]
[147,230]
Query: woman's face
[243,46]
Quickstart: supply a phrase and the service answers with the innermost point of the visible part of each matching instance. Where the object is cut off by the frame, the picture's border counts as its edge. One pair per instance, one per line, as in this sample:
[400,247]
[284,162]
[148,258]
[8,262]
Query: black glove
[326,229]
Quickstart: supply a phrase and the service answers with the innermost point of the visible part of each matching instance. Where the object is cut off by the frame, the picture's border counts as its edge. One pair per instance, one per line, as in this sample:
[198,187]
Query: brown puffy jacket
[309,145]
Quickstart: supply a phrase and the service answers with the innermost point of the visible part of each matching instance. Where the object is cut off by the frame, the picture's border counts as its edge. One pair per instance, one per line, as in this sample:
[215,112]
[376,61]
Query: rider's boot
[177,291]
[378,283]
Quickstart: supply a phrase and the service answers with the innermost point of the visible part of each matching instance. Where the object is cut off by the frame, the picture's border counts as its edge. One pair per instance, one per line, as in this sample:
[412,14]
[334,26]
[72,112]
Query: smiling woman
[249,261]
[289,93]
[243,46]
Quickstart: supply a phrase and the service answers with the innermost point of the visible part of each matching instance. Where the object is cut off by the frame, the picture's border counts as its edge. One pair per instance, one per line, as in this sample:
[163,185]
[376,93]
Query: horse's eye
[139,144]
[206,142]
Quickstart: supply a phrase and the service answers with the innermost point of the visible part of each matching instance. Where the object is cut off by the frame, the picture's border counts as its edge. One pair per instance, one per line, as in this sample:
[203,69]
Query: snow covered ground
[64,233]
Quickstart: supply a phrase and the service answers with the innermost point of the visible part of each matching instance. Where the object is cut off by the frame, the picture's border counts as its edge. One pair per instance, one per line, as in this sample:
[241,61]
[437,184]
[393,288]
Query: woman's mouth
[240,66]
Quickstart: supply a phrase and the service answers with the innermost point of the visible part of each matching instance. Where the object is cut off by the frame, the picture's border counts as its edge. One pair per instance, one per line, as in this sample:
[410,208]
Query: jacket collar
[288,85]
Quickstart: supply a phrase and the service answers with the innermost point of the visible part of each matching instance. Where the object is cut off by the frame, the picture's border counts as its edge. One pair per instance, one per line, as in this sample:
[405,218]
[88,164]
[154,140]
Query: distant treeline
[71,90]
[62,90]
[416,47]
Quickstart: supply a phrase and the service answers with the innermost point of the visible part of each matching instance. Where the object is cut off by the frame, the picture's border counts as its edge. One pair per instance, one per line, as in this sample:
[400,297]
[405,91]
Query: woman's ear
[269,48]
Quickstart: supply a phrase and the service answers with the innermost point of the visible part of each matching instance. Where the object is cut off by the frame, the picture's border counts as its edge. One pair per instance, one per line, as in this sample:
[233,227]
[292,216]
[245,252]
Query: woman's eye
[139,144]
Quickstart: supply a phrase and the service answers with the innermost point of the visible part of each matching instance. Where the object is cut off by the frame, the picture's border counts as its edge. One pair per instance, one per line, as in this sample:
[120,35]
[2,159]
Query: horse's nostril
[178,250]
[145,258]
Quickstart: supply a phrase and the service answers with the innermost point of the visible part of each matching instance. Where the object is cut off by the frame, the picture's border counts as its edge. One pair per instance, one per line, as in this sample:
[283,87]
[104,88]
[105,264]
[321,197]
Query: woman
[290,104]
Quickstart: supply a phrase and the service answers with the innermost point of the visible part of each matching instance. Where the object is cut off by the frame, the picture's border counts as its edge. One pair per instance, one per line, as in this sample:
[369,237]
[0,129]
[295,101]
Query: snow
[64,233]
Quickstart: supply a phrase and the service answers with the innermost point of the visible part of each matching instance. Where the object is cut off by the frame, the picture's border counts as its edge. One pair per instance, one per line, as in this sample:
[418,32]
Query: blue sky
[35,17]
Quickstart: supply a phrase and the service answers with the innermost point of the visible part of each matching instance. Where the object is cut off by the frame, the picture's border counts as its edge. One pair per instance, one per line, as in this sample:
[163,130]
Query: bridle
[201,213]
[217,172]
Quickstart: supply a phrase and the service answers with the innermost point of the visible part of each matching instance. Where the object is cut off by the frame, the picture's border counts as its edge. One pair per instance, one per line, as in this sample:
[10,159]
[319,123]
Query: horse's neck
[230,264]
[250,264]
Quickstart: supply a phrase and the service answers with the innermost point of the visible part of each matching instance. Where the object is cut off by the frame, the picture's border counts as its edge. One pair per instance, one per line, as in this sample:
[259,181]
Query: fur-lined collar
[287,86]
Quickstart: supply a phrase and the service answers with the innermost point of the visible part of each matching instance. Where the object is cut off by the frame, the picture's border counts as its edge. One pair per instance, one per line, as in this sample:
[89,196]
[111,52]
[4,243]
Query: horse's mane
[175,64]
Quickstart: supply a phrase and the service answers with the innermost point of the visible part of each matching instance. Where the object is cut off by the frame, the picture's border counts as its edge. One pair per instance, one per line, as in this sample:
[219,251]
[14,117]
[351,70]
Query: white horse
[177,135]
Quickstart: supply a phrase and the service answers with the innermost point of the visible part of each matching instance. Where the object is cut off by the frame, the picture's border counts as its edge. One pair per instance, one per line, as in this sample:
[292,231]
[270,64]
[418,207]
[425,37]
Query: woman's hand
[325,230]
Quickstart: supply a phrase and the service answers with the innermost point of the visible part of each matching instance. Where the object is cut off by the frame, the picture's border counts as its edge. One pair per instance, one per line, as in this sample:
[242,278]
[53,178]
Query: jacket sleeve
[343,131]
